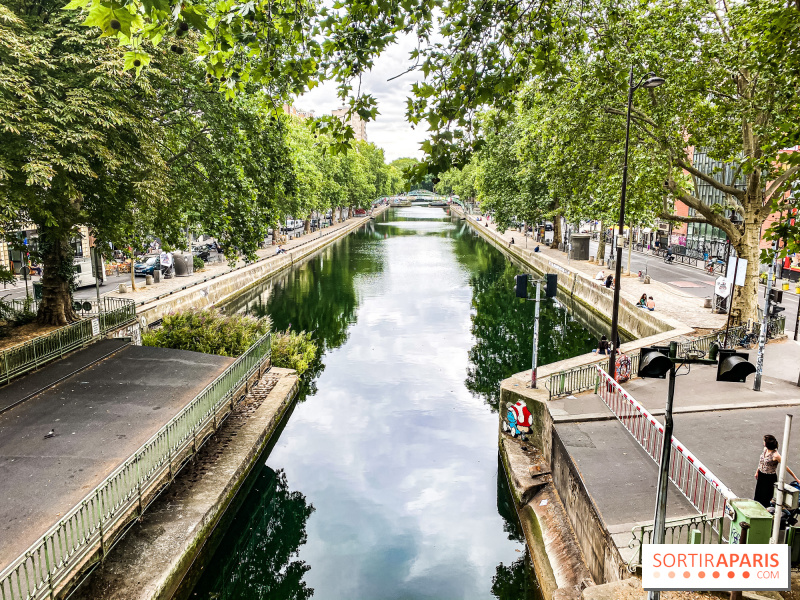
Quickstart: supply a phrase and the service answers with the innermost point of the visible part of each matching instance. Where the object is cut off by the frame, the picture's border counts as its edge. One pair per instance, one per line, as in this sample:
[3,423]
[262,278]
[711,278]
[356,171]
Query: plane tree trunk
[55,307]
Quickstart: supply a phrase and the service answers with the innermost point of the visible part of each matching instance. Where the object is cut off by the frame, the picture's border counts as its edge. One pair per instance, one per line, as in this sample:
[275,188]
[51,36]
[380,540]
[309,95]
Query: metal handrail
[582,378]
[42,569]
[677,531]
[20,359]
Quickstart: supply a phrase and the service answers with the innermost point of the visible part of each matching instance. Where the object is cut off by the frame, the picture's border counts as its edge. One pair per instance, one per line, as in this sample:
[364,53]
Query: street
[692,280]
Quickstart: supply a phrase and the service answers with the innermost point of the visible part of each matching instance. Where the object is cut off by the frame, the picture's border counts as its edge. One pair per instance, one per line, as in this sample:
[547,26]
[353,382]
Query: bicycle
[748,341]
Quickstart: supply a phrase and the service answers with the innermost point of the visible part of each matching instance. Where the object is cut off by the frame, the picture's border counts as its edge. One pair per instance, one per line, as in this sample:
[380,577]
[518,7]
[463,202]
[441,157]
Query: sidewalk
[145,294]
[673,303]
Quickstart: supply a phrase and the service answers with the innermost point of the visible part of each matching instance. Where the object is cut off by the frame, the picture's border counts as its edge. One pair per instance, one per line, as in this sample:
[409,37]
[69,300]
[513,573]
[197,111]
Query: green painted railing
[48,564]
[584,377]
[17,360]
[699,529]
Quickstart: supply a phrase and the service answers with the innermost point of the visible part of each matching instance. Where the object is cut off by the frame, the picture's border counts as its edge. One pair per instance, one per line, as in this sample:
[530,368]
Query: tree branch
[670,217]
[783,178]
[710,216]
[727,189]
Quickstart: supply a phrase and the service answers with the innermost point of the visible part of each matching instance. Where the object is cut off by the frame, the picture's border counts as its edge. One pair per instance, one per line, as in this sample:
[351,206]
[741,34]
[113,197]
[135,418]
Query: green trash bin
[37,290]
[741,510]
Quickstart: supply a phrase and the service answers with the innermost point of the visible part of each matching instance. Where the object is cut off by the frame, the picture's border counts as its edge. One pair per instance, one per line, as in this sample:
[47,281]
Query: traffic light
[551,290]
[521,285]
[654,362]
[734,366]
[775,309]
[776,296]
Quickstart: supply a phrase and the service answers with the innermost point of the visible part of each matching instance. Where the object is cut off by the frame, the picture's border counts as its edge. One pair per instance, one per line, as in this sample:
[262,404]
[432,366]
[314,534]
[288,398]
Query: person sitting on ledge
[651,305]
[600,276]
[642,301]
[536,249]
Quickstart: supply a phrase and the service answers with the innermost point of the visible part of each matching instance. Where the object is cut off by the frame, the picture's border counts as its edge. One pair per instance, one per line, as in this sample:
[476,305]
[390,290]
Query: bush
[198,263]
[208,331]
[292,350]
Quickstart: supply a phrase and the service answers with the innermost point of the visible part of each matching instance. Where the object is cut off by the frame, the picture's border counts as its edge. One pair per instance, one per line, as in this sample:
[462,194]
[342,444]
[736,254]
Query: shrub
[208,331]
[198,263]
[293,350]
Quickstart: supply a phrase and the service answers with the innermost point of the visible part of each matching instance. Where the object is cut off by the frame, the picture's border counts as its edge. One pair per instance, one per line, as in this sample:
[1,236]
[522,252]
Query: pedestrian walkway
[671,302]
[148,293]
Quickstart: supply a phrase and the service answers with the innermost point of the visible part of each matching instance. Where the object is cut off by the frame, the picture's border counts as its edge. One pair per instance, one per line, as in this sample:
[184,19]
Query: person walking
[767,471]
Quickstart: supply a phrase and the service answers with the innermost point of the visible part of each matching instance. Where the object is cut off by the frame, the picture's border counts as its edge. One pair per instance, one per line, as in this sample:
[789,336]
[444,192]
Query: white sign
[722,287]
[716,567]
[95,327]
[740,270]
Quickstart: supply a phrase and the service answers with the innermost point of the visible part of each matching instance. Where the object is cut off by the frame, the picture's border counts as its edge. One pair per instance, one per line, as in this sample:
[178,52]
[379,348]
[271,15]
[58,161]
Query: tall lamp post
[647,81]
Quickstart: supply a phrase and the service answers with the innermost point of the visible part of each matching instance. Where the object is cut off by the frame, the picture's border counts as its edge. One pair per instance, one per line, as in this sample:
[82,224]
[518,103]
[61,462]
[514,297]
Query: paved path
[145,294]
[672,302]
[101,416]
[36,381]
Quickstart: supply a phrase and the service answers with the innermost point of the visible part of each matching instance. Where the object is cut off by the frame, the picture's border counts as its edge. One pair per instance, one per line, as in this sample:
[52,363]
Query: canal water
[385,483]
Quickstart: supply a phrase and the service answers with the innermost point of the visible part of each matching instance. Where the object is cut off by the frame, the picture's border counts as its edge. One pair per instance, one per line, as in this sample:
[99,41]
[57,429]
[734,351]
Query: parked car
[147,266]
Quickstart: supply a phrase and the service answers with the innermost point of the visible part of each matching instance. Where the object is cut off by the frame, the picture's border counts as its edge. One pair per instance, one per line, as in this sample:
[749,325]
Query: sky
[390,130]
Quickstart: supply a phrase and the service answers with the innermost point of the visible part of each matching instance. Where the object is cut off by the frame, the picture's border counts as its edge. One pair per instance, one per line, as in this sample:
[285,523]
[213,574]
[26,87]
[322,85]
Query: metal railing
[47,565]
[20,359]
[582,378]
[678,531]
[696,482]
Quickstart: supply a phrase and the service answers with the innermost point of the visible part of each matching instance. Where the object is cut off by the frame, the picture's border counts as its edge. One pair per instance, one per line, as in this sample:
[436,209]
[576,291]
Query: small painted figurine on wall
[518,420]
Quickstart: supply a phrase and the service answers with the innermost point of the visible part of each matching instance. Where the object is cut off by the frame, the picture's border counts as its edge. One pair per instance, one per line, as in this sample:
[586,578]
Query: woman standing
[767,472]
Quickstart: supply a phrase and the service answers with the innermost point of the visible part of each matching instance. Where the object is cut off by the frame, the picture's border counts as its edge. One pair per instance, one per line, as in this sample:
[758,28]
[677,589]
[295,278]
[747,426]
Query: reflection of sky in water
[397,457]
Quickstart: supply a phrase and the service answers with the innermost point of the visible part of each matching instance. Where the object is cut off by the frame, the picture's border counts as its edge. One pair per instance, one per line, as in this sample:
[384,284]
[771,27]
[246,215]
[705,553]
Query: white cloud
[390,130]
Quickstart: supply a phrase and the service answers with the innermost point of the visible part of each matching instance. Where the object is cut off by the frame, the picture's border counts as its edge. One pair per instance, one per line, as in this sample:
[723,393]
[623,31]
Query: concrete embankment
[229,285]
[595,297]
[153,559]
[568,540]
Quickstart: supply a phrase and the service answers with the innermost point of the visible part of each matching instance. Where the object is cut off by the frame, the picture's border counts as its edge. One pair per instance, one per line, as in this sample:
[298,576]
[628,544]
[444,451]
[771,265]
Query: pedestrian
[537,248]
[511,243]
[609,280]
[602,347]
[642,301]
[767,471]
[651,305]
[601,275]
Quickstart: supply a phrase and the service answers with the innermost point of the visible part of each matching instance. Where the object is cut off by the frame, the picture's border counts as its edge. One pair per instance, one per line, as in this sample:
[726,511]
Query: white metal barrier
[701,487]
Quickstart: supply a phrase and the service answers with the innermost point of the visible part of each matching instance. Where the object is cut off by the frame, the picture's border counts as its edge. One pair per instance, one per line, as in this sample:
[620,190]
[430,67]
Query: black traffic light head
[776,296]
[775,309]
[654,362]
[521,285]
[551,290]
[734,366]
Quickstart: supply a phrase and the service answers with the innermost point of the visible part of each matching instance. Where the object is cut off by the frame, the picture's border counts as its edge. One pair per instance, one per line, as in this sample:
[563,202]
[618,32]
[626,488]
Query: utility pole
[535,335]
[762,335]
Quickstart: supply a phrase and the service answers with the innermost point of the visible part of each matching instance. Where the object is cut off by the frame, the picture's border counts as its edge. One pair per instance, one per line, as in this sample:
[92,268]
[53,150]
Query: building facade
[357,123]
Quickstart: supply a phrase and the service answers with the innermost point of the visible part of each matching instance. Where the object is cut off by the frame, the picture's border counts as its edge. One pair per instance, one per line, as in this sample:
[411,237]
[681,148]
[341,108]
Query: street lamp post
[648,81]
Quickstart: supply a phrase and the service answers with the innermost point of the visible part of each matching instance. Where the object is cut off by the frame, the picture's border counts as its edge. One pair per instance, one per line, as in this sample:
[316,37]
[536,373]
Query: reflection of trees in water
[256,559]
[516,581]
[502,324]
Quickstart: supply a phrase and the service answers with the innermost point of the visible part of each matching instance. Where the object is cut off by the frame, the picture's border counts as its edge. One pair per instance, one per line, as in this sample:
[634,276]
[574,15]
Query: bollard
[673,349]
[737,594]
[156,275]
[123,289]
[148,280]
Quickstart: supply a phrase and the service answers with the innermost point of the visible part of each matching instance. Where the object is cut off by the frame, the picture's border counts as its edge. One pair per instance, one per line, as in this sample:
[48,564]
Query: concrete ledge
[151,561]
